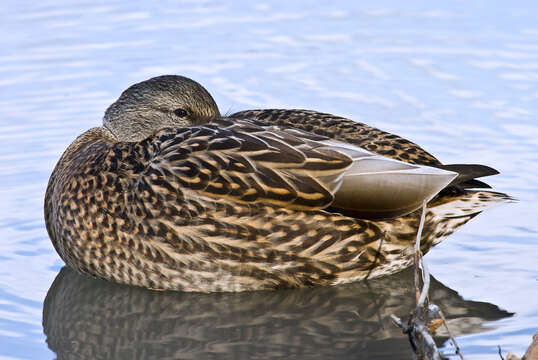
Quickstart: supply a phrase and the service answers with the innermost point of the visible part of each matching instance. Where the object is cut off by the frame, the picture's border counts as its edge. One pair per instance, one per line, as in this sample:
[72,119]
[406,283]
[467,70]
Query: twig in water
[458,351]
[417,251]
[398,322]
[416,329]
[500,353]
[425,287]
[419,337]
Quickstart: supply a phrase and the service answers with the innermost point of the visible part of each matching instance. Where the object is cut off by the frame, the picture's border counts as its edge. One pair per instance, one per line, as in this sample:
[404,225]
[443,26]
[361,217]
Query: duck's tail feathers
[474,184]
[453,212]
[467,174]
[469,204]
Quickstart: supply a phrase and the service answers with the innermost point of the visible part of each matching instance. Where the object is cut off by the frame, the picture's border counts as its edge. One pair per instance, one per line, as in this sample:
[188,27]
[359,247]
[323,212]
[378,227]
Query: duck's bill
[378,187]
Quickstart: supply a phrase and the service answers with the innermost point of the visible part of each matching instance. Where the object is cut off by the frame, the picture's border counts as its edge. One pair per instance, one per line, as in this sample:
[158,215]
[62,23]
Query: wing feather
[246,162]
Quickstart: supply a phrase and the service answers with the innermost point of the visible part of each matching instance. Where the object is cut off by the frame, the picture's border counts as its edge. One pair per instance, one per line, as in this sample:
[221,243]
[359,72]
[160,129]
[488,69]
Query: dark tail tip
[474,184]
[468,173]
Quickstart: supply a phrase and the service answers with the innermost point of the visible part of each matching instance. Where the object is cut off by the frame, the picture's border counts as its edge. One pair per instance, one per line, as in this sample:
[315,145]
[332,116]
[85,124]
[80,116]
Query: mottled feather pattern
[346,130]
[266,165]
[174,212]
[169,195]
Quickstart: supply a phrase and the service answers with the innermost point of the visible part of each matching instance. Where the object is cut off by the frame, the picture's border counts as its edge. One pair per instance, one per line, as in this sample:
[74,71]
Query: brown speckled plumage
[342,129]
[230,204]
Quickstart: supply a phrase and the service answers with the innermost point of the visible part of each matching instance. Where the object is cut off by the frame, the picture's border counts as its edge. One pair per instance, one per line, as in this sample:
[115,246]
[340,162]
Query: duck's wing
[245,161]
[345,130]
[369,138]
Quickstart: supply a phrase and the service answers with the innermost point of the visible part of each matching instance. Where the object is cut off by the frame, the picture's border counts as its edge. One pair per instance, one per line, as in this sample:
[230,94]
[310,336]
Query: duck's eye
[180,112]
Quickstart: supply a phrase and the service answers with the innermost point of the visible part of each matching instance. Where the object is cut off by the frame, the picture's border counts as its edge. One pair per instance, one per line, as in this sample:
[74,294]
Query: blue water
[459,78]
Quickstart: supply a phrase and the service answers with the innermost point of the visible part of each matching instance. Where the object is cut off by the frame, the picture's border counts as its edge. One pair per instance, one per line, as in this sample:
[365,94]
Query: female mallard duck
[168,194]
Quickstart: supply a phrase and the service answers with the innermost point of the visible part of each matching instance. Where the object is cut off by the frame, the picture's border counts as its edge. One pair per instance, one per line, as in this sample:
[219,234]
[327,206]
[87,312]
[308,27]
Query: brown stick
[458,351]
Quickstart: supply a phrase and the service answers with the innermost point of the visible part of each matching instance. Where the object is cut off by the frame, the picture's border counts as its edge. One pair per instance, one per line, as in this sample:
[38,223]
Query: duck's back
[346,130]
[372,139]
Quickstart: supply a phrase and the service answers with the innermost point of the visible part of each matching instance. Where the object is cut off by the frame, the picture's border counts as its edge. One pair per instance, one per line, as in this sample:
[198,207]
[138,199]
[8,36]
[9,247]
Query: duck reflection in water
[86,318]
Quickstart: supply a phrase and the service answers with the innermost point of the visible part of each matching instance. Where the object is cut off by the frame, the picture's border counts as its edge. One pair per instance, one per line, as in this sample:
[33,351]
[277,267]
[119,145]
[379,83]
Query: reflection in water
[85,318]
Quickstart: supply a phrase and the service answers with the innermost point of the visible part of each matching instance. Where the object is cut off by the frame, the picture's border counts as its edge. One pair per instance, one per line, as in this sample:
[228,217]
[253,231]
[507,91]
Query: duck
[168,194]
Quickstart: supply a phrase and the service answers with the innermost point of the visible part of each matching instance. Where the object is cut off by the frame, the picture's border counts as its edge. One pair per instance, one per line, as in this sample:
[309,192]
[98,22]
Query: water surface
[459,78]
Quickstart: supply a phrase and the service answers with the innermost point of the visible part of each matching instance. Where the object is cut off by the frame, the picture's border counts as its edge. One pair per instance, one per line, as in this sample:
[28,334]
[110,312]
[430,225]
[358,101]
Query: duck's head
[163,101]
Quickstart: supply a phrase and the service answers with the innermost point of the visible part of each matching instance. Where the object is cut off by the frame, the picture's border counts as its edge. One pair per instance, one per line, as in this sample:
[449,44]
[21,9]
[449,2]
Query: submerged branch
[458,351]
[420,338]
